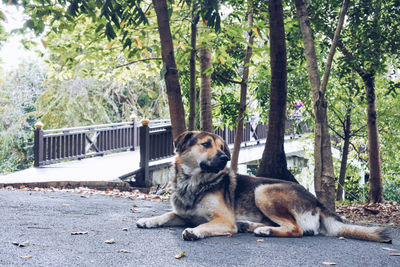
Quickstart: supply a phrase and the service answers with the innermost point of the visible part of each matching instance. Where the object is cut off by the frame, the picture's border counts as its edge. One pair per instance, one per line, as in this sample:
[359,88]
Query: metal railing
[154,139]
[81,142]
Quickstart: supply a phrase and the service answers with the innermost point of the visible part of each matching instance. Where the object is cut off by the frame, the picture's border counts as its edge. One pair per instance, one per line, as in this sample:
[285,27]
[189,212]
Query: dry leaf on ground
[390,249]
[328,263]
[123,251]
[110,241]
[180,254]
[21,245]
[26,257]
[79,233]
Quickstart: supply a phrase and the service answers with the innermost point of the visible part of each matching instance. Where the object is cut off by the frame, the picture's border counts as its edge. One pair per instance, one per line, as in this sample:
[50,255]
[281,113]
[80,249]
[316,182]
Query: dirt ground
[387,213]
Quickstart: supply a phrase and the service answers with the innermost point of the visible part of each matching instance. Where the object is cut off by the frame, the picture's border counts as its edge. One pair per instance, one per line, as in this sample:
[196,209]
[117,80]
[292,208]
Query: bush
[354,191]
[391,190]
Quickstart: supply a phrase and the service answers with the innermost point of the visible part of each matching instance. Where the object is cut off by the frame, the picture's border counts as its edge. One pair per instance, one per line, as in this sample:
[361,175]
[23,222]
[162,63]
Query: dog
[214,201]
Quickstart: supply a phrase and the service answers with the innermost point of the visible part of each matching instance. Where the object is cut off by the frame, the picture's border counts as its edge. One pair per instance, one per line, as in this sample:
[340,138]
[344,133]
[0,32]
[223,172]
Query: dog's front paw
[146,223]
[191,234]
[263,231]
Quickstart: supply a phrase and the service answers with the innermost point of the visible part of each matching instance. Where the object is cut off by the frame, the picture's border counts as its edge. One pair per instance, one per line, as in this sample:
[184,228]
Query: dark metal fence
[250,133]
[80,142]
[154,138]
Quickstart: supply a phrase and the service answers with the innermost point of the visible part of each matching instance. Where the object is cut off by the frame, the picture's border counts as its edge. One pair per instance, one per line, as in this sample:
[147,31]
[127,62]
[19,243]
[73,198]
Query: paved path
[47,219]
[106,169]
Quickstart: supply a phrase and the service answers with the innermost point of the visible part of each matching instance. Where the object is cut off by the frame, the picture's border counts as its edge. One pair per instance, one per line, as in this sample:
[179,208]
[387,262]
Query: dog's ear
[227,151]
[182,140]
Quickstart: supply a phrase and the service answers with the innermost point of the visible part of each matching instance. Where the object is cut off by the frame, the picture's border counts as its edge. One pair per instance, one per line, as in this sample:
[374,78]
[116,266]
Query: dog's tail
[332,225]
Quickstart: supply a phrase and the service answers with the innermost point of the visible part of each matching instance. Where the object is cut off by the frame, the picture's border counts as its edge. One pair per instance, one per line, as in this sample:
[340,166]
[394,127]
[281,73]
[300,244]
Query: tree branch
[332,49]
[354,133]
[337,115]
[338,134]
[227,79]
[136,61]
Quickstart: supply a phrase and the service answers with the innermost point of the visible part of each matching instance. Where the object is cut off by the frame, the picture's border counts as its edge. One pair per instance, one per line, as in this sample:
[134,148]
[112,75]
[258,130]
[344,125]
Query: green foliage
[18,93]
[89,42]
[391,190]
[354,192]
[228,109]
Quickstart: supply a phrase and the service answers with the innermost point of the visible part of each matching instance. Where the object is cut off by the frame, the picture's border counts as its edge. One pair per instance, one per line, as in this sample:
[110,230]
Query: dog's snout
[223,157]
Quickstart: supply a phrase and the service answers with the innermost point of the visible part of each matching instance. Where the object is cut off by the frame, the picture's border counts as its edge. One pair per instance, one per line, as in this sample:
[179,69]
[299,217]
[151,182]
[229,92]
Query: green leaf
[110,33]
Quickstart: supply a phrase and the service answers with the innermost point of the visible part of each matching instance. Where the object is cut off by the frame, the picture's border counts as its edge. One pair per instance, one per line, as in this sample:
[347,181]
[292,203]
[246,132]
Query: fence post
[133,119]
[38,145]
[142,180]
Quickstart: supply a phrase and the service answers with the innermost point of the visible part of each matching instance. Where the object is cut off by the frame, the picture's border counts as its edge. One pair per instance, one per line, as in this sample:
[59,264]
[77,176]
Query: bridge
[138,153]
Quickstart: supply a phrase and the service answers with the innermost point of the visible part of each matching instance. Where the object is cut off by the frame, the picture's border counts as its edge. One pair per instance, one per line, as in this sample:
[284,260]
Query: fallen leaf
[26,257]
[394,254]
[180,254]
[110,241]
[123,251]
[134,205]
[65,205]
[134,210]
[260,240]
[79,233]
[390,249]
[328,263]
[22,245]
[125,229]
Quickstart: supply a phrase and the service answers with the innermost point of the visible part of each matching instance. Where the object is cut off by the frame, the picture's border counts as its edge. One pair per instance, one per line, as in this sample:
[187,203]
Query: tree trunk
[192,93]
[324,181]
[375,178]
[205,91]
[177,112]
[243,93]
[273,162]
[343,164]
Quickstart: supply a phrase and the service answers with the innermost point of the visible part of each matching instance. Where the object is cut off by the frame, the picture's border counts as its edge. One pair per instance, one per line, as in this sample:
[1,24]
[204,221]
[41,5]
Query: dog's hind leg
[166,219]
[274,206]
[248,226]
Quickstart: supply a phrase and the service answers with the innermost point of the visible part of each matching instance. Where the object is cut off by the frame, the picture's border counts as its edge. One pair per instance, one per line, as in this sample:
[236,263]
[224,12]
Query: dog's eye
[206,144]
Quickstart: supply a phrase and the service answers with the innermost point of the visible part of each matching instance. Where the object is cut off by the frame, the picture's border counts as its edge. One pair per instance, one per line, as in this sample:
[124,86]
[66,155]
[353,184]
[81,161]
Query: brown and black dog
[216,201]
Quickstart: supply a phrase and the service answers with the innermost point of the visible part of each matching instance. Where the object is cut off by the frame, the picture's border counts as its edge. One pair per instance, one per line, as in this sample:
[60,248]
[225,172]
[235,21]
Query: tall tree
[273,162]
[370,41]
[177,112]
[324,180]
[205,90]
[192,92]
[243,91]
[346,117]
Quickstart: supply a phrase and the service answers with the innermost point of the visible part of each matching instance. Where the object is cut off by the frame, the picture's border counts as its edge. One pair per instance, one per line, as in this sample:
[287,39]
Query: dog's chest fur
[193,193]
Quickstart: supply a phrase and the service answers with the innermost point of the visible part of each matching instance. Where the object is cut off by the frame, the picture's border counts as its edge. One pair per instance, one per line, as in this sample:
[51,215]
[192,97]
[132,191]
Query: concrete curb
[99,185]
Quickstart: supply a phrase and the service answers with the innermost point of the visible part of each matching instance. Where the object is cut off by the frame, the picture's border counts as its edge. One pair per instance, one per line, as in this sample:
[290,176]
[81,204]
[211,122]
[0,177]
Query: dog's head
[199,151]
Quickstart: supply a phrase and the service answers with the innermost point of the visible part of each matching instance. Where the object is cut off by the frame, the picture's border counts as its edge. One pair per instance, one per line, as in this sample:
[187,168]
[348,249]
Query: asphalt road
[47,219]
